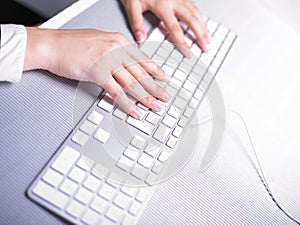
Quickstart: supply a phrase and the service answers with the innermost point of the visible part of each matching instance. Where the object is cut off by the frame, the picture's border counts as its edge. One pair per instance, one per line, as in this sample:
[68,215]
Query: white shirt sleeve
[12,52]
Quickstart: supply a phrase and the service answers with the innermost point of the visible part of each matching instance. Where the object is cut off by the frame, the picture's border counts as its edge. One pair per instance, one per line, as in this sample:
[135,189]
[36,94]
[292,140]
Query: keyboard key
[157,168]
[114,213]
[171,141]
[149,47]
[51,195]
[142,195]
[139,172]
[180,75]
[152,150]
[92,183]
[99,204]
[198,72]
[188,112]
[153,118]
[114,180]
[84,195]
[174,112]
[106,103]
[135,208]
[77,174]
[185,94]
[186,67]
[100,171]
[179,102]
[75,209]
[171,63]
[107,192]
[80,138]
[169,121]
[65,160]
[128,220]
[69,187]
[211,26]
[125,163]
[95,117]
[85,163]
[169,69]
[177,131]
[140,105]
[131,152]
[152,179]
[174,82]
[188,40]
[156,35]
[91,217]
[138,142]
[158,60]
[183,121]
[130,191]
[88,127]
[198,94]
[163,157]
[171,90]
[53,178]
[161,133]
[177,56]
[119,114]
[196,51]
[145,160]
[102,135]
[167,46]
[163,52]
[122,200]
[143,126]
[190,86]
[194,102]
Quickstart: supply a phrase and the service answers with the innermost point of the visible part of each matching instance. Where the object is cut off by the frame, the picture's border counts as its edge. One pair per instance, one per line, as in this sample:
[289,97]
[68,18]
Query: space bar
[143,126]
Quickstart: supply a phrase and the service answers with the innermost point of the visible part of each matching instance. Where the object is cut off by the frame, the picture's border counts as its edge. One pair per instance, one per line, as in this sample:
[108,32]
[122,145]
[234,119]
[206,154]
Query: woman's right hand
[107,59]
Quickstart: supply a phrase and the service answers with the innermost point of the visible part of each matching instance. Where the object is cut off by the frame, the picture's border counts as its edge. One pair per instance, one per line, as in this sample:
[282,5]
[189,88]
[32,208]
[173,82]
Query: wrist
[38,50]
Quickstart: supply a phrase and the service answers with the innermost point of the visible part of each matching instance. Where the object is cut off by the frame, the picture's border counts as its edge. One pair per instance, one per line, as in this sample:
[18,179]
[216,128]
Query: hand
[169,11]
[107,59]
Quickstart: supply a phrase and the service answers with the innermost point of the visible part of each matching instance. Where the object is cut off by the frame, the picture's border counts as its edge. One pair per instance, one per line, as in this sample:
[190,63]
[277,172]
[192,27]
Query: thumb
[136,20]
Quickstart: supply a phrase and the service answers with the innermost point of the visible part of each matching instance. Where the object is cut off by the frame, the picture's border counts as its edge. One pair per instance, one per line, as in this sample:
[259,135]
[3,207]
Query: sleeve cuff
[12,52]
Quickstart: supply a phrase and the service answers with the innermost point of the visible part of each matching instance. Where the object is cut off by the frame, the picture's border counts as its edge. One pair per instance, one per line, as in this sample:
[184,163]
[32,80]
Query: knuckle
[118,36]
[113,44]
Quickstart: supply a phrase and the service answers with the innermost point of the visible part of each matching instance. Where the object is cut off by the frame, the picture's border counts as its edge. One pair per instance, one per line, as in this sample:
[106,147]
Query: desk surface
[37,115]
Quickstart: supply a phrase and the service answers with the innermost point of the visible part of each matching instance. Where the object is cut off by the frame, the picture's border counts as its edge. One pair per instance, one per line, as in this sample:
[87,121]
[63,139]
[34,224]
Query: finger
[194,20]
[147,82]
[135,16]
[135,89]
[120,98]
[176,33]
[146,62]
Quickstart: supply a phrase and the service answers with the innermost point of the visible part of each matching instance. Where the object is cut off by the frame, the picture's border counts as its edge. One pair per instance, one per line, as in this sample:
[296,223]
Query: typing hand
[107,59]
[169,11]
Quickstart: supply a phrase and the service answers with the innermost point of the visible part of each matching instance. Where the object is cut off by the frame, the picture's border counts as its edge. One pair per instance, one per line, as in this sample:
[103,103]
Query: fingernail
[140,37]
[166,76]
[157,105]
[208,38]
[187,53]
[135,113]
[205,48]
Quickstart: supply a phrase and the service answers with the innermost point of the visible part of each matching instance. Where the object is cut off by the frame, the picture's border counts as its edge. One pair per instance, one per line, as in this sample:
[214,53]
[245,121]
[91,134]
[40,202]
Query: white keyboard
[99,176]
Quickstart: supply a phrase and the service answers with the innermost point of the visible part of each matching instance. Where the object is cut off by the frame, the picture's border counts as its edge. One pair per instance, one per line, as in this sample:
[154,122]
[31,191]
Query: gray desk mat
[36,117]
